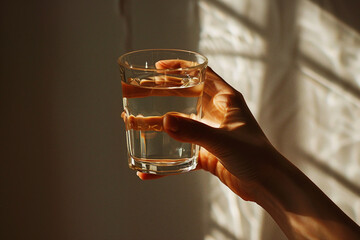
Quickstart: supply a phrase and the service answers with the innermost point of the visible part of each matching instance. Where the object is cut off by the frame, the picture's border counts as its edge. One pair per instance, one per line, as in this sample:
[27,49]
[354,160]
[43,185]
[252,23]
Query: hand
[234,148]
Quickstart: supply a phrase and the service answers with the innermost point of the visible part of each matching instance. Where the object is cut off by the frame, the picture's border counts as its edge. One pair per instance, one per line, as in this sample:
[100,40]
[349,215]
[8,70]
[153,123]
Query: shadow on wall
[346,11]
[309,93]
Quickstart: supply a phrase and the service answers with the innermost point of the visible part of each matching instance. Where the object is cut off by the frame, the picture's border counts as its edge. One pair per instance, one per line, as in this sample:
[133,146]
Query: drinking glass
[155,82]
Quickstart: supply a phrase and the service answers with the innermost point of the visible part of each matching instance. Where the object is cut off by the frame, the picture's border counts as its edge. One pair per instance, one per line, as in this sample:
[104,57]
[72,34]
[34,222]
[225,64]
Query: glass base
[162,166]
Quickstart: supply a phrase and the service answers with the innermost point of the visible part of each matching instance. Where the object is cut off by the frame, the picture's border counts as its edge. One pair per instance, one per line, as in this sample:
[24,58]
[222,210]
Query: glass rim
[126,65]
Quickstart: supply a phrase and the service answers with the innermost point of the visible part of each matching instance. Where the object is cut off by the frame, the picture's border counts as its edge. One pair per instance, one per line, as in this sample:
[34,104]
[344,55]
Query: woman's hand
[234,148]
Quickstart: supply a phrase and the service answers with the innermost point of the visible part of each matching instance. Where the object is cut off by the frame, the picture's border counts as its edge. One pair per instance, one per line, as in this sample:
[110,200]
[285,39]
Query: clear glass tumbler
[156,82]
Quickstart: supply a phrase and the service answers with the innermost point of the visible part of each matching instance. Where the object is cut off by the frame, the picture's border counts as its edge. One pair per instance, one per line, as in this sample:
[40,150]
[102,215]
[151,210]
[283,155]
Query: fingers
[188,130]
[174,64]
[137,91]
[147,176]
[123,116]
[181,68]
[141,123]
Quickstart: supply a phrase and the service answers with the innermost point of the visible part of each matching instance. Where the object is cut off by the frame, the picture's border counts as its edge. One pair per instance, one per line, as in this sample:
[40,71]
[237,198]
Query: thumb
[186,129]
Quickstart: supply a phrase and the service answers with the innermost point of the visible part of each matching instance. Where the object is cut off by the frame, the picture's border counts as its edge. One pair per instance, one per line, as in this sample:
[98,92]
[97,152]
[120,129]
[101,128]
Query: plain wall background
[63,170]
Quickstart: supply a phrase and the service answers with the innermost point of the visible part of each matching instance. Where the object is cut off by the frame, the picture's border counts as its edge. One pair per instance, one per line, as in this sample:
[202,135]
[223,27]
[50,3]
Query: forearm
[299,207]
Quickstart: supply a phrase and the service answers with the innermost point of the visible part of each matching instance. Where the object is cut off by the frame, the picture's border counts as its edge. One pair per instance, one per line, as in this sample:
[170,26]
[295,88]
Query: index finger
[176,64]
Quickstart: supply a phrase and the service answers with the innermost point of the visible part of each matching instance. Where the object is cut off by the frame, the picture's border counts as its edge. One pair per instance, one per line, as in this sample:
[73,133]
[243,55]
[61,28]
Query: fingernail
[171,123]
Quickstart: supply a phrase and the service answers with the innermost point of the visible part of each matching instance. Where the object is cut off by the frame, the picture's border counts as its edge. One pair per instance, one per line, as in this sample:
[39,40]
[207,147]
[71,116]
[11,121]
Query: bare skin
[235,149]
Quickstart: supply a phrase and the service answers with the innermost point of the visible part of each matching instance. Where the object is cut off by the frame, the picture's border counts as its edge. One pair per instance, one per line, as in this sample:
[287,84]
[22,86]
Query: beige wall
[63,159]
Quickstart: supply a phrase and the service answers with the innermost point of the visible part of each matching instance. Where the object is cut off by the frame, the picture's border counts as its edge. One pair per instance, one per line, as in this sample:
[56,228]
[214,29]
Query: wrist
[273,178]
